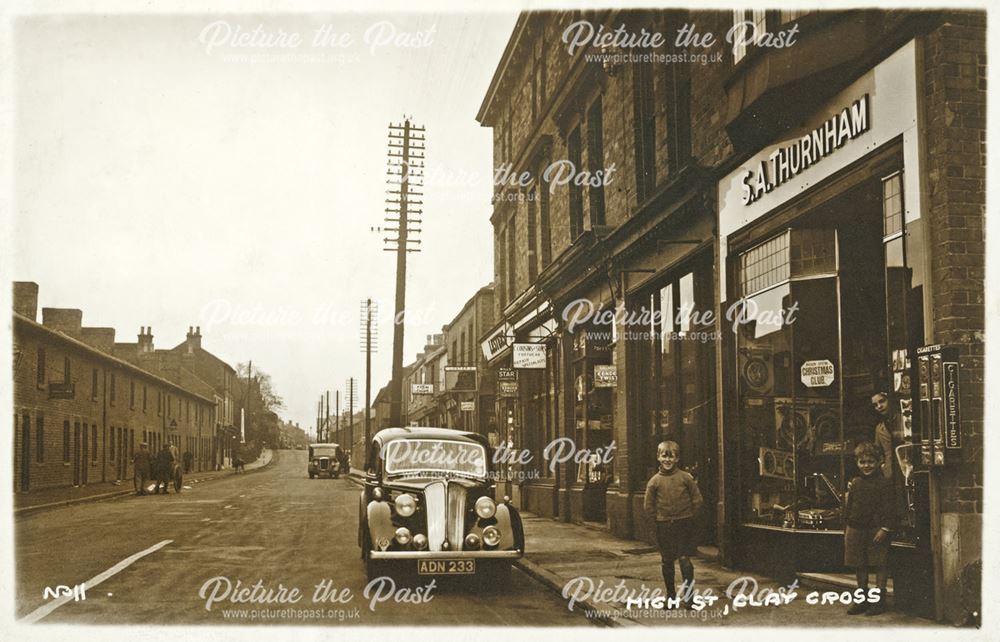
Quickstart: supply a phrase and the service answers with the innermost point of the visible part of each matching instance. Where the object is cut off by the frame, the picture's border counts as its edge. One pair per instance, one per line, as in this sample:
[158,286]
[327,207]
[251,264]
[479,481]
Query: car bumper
[444,555]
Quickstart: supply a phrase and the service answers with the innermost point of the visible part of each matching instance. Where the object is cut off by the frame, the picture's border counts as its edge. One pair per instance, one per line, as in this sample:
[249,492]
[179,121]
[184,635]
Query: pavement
[594,572]
[48,498]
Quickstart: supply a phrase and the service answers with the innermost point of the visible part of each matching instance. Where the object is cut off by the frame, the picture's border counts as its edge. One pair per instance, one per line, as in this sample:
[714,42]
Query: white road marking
[44,610]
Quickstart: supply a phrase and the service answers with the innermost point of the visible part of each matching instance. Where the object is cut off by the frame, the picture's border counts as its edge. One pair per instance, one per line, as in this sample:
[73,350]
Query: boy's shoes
[858,609]
[876,609]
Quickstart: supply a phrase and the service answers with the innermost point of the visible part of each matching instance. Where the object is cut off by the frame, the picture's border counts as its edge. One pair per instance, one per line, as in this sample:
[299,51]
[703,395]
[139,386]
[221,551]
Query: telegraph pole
[352,395]
[326,421]
[406,170]
[337,413]
[367,309]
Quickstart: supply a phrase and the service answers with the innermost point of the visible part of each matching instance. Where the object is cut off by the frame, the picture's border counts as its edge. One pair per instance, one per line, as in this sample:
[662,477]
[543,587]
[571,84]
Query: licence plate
[446,567]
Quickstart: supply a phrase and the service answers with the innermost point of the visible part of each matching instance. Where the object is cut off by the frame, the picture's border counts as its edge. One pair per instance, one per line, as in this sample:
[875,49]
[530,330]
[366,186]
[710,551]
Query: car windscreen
[434,456]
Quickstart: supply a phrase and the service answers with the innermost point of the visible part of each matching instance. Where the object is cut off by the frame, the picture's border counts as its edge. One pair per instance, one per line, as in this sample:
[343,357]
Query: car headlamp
[420,541]
[491,535]
[403,535]
[485,507]
[471,541]
[405,505]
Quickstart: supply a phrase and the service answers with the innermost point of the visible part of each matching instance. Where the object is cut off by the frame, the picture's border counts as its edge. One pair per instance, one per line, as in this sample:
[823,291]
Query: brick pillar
[954,82]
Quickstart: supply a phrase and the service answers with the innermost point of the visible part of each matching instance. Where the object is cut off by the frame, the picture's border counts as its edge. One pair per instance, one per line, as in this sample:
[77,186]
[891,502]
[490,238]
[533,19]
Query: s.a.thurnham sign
[787,162]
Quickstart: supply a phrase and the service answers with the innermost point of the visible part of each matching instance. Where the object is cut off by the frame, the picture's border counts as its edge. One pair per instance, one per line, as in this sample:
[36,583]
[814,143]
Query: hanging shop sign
[422,388]
[498,341]
[817,373]
[460,378]
[506,374]
[787,162]
[605,376]
[467,406]
[507,388]
[529,355]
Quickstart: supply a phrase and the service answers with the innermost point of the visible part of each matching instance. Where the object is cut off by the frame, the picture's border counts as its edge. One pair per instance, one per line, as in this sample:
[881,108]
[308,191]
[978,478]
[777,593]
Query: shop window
[747,22]
[892,204]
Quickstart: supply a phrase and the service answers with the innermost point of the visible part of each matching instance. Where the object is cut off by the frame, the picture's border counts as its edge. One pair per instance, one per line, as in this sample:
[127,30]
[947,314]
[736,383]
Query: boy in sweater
[673,500]
[870,517]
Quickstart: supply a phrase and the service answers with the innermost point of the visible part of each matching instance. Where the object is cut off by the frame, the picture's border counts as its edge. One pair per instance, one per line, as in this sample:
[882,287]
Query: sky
[170,174]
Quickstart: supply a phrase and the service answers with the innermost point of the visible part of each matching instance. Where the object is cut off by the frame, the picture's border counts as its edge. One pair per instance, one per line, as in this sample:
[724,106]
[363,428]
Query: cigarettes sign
[817,374]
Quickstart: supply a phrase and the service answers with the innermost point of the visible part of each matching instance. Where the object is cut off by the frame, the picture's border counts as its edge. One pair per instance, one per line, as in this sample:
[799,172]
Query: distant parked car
[429,505]
[325,459]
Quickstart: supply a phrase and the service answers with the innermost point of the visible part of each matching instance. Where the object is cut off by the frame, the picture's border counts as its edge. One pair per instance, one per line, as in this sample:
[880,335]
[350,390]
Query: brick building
[461,338]
[80,411]
[778,235]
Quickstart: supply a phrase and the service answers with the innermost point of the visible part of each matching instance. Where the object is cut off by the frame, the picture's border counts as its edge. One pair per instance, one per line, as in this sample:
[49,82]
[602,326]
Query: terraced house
[82,406]
[736,247]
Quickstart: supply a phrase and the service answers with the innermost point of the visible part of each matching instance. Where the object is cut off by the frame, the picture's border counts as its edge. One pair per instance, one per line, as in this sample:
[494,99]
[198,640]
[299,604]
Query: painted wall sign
[817,374]
[788,161]
[467,406]
[422,388]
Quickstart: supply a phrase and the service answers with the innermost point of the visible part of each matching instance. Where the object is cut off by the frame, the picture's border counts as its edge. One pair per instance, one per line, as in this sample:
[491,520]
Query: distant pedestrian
[238,465]
[165,460]
[870,518]
[142,462]
[673,500]
[188,460]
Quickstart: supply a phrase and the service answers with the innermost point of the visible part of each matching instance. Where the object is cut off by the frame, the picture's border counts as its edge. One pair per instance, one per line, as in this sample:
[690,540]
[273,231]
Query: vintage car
[429,506]
[325,459]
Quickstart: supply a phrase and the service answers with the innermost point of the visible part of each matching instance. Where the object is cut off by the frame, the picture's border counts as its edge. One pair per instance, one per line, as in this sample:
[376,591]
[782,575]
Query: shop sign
[506,374]
[422,388]
[952,418]
[605,376]
[817,374]
[498,341]
[787,162]
[529,355]
[507,388]
[467,406]
[460,378]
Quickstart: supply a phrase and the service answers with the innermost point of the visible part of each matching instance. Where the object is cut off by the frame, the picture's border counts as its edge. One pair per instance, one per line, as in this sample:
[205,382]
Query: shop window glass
[892,203]
[789,366]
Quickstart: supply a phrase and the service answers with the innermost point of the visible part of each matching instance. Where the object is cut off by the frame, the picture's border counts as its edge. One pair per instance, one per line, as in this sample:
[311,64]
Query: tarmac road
[155,558]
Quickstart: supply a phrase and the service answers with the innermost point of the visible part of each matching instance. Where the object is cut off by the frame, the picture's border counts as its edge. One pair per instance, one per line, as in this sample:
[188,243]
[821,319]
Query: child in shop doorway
[673,501]
[870,518]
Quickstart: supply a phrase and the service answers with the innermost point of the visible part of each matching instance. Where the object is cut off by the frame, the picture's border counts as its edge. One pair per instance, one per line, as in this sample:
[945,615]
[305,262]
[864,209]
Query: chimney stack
[65,320]
[26,299]
[193,339]
[145,340]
